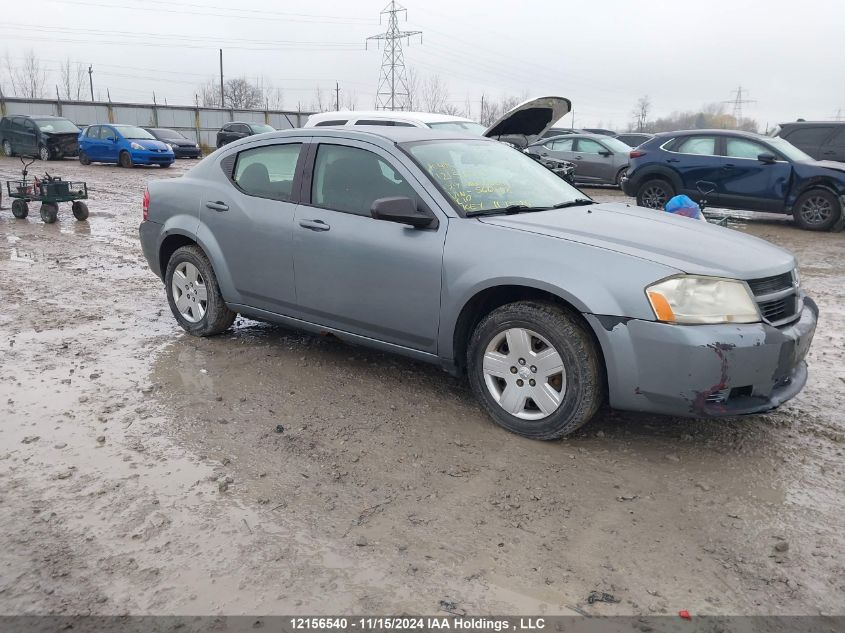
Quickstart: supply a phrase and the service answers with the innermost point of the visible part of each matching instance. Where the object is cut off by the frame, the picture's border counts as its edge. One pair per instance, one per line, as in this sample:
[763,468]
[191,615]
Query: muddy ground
[141,470]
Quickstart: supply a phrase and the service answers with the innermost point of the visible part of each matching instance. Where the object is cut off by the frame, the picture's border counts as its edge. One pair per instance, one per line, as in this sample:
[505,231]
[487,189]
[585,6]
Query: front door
[357,274]
[109,144]
[748,183]
[834,149]
[594,160]
[250,216]
[29,139]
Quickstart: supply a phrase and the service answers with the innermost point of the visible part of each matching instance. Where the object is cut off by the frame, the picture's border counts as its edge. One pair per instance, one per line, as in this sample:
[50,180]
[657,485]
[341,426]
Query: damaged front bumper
[704,370]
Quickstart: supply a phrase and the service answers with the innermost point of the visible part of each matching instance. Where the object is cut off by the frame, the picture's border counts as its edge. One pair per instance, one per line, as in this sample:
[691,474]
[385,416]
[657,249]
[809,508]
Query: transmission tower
[393,82]
[738,102]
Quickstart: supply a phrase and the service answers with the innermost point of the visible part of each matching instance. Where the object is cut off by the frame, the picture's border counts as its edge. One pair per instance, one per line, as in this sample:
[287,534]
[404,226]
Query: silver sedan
[598,159]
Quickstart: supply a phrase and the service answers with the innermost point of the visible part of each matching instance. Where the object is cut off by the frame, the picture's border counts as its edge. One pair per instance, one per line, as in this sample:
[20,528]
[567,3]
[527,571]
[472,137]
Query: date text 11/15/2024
[469,624]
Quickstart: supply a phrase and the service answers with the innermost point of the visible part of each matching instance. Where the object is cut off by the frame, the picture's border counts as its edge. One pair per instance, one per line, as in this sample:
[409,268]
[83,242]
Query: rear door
[834,148]
[562,148]
[90,143]
[697,162]
[809,138]
[748,183]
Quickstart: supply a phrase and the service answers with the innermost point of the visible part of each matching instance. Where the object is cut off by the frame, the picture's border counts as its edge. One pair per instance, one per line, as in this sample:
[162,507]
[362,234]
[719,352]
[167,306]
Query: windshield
[481,175]
[260,128]
[131,131]
[460,126]
[56,126]
[169,134]
[788,149]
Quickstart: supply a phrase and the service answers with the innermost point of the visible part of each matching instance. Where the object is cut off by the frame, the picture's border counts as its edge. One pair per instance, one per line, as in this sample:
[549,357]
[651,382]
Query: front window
[616,145]
[470,127]
[788,149]
[481,175]
[743,148]
[56,126]
[260,128]
[589,146]
[133,132]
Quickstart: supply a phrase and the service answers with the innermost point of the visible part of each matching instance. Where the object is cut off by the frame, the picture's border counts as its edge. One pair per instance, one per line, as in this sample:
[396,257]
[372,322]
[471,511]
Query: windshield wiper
[524,208]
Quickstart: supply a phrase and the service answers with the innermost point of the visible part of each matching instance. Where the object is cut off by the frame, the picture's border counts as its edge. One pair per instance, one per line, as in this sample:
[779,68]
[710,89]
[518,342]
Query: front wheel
[194,295]
[125,160]
[7,148]
[44,153]
[49,212]
[84,159]
[534,368]
[165,165]
[20,209]
[654,193]
[80,210]
[817,210]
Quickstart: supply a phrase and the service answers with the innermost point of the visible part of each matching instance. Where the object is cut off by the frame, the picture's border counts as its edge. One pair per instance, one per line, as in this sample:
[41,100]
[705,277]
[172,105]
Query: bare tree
[350,100]
[413,88]
[27,80]
[490,111]
[242,95]
[435,94]
[320,103]
[71,79]
[209,94]
[640,113]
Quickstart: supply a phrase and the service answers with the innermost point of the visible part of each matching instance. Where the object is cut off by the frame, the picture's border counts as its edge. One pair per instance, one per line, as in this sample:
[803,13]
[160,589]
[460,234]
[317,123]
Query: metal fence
[197,123]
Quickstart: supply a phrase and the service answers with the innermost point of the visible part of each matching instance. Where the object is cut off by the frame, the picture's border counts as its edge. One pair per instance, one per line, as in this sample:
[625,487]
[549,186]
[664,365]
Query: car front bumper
[140,157]
[187,152]
[704,370]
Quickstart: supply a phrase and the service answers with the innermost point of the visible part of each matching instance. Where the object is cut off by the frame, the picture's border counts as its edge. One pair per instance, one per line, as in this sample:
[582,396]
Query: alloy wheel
[189,292]
[816,210]
[7,148]
[524,374]
[44,153]
[655,197]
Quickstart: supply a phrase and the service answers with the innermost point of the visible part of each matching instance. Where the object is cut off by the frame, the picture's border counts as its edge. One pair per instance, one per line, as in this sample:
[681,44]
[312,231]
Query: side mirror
[767,158]
[606,153]
[403,211]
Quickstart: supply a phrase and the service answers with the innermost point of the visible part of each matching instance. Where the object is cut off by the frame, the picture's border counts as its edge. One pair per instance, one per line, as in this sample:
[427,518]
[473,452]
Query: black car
[823,140]
[738,170]
[240,129]
[634,139]
[182,146]
[43,136]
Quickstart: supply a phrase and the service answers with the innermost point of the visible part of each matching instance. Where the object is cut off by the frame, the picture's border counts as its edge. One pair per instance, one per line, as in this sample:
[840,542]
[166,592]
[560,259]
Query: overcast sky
[602,54]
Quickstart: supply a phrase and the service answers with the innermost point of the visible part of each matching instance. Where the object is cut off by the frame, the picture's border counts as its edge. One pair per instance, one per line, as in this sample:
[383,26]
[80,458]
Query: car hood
[530,118]
[688,245]
[59,137]
[147,143]
[824,164]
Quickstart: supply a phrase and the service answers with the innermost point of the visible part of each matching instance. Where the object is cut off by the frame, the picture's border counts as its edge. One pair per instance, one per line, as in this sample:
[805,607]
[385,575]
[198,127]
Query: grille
[767,285]
[778,309]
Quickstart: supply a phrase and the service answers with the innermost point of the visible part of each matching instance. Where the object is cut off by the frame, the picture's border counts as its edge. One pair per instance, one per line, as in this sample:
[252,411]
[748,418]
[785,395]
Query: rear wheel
[44,153]
[49,212]
[535,369]
[125,159]
[619,176]
[817,210]
[194,295]
[20,209]
[7,148]
[80,210]
[655,193]
[83,158]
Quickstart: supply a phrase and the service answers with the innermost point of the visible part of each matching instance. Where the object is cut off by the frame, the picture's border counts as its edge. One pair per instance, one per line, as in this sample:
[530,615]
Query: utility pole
[392,91]
[91,80]
[222,99]
[738,102]
[336,96]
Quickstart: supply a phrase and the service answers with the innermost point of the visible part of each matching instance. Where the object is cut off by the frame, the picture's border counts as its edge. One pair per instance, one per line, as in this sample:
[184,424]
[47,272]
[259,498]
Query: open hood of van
[530,118]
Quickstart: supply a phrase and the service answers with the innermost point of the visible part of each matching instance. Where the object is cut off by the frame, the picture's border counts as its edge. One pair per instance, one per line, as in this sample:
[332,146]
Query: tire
[536,413]
[125,160]
[165,165]
[817,210]
[618,181]
[44,153]
[80,210]
[654,193]
[83,159]
[49,212]
[200,320]
[20,209]
[7,148]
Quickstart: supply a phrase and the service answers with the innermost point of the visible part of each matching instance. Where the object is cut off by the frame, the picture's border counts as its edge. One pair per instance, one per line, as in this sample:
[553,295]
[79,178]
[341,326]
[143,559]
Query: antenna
[738,102]
[393,82]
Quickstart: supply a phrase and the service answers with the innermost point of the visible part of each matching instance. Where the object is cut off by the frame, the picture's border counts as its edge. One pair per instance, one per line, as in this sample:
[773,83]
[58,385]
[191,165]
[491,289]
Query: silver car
[598,159]
[465,252]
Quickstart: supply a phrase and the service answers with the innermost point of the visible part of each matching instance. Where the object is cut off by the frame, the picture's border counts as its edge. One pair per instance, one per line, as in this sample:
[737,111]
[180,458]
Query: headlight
[169,146]
[136,146]
[689,299]
[198,145]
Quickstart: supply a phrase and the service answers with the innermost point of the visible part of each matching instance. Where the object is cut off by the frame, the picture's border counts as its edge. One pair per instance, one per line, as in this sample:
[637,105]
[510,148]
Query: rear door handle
[217,206]
[728,166]
[314,225]
[828,153]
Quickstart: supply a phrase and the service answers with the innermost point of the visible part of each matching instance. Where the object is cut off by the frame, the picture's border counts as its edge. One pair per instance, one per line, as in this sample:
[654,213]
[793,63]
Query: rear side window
[839,138]
[705,145]
[93,131]
[561,145]
[743,148]
[337,122]
[385,122]
[350,179]
[808,135]
[268,172]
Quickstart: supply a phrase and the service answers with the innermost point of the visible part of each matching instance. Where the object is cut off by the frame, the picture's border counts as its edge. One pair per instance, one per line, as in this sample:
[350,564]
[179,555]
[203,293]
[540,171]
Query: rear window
[335,122]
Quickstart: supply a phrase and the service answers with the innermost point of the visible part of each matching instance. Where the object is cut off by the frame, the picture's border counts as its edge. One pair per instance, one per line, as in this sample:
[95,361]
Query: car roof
[598,137]
[799,123]
[397,115]
[711,132]
[387,132]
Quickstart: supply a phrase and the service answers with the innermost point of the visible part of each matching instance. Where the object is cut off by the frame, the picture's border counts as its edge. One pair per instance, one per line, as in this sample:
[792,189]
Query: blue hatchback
[126,145]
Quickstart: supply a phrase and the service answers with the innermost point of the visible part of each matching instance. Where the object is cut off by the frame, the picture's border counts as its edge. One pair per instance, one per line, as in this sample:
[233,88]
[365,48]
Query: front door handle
[217,206]
[579,157]
[314,225]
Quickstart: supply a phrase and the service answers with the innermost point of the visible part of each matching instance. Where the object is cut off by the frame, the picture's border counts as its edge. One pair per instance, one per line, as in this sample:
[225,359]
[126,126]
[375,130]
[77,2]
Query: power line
[392,93]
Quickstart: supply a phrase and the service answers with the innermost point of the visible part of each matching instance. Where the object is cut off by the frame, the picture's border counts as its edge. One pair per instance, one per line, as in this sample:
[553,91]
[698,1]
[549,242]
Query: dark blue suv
[738,170]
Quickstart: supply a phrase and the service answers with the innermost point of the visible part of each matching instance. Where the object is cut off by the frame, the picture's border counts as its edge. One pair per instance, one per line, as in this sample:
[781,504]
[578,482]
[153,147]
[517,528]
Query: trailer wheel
[20,209]
[80,210]
[49,212]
